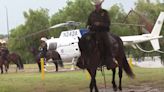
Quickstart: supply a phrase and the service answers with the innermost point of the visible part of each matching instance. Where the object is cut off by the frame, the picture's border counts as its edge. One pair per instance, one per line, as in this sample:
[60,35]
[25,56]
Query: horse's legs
[120,78]
[2,69]
[113,79]
[39,66]
[17,67]
[6,68]
[92,73]
[56,64]
[18,64]
[6,64]
[21,63]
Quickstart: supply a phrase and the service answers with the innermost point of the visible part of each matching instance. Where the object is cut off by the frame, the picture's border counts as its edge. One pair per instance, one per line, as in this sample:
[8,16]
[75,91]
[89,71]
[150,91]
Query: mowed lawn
[74,81]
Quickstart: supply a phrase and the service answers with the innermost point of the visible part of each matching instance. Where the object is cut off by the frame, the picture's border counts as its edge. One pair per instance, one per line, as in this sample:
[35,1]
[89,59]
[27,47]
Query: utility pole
[7,21]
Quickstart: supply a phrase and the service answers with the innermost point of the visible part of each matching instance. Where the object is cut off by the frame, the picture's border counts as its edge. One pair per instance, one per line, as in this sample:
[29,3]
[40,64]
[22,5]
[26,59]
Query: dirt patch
[143,87]
[134,88]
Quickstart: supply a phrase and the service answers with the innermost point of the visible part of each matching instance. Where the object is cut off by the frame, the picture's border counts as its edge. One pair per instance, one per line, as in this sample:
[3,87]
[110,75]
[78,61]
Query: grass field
[76,81]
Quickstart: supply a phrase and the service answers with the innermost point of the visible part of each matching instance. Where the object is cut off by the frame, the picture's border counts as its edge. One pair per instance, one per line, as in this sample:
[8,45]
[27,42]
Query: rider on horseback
[99,22]
[3,46]
[43,49]
[4,50]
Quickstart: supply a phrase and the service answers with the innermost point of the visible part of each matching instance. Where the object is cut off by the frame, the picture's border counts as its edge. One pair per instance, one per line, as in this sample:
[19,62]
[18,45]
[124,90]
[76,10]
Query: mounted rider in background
[4,51]
[43,49]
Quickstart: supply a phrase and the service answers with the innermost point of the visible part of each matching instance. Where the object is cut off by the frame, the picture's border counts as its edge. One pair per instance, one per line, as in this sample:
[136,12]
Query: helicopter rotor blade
[58,25]
[68,23]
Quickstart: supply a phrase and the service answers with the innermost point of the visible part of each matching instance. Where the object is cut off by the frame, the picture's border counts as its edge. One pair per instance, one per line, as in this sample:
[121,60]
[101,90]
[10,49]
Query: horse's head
[87,44]
[88,48]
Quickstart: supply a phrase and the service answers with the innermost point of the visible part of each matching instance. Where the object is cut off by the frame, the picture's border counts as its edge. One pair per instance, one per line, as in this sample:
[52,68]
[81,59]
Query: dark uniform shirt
[43,49]
[100,16]
[4,52]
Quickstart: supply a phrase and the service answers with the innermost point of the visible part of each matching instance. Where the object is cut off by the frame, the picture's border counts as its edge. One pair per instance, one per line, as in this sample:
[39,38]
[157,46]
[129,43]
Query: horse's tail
[60,61]
[127,68]
[20,62]
[125,63]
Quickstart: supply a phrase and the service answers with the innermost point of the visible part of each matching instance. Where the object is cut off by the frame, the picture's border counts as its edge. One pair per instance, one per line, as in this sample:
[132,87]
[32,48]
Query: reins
[103,74]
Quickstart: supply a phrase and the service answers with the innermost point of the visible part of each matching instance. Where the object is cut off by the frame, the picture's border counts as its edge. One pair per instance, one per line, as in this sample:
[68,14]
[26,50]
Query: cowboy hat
[43,39]
[96,2]
[3,42]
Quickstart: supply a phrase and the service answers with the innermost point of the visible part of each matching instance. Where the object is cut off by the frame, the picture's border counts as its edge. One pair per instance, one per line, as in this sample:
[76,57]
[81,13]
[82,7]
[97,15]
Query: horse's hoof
[115,89]
[120,88]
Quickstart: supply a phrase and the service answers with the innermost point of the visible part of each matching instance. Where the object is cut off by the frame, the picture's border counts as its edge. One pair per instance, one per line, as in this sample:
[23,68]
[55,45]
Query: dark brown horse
[91,57]
[51,54]
[16,59]
[6,58]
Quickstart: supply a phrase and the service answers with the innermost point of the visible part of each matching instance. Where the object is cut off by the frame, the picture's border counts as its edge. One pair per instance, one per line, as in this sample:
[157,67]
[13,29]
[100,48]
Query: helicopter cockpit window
[52,46]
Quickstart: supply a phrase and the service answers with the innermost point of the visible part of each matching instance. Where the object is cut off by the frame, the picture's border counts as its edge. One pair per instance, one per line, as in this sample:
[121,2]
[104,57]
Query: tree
[77,10]
[36,20]
[117,15]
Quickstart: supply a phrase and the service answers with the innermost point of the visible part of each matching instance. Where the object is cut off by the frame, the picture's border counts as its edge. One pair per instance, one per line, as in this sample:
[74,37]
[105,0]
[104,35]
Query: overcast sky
[17,7]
